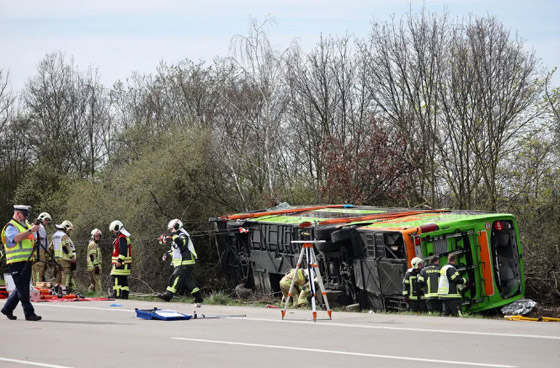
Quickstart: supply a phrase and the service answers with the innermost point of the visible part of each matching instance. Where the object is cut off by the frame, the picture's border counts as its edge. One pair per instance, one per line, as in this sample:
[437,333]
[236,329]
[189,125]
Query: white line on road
[335,324]
[26,362]
[330,324]
[112,309]
[346,353]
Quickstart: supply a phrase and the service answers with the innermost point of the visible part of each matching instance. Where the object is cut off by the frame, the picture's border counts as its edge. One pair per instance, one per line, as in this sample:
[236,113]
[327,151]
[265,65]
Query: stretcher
[161,314]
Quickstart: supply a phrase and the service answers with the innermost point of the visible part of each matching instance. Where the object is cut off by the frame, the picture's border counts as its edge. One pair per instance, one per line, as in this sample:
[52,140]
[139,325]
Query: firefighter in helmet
[449,288]
[65,255]
[94,261]
[411,290]
[428,279]
[121,260]
[42,244]
[184,258]
[300,291]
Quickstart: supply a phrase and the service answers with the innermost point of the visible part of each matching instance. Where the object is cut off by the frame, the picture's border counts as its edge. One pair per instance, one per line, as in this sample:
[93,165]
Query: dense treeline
[426,111]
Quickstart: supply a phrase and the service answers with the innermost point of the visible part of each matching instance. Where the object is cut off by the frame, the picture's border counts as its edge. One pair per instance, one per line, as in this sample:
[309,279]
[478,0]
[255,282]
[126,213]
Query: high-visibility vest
[21,251]
[93,252]
[60,240]
[182,254]
[447,287]
[126,261]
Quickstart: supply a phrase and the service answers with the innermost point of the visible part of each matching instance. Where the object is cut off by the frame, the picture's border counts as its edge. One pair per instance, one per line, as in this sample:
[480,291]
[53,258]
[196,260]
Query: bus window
[507,267]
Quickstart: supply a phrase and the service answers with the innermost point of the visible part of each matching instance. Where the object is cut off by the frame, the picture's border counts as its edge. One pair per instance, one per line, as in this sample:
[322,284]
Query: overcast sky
[120,36]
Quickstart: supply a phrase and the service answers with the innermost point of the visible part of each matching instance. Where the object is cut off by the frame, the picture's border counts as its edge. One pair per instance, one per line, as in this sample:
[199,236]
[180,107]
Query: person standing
[411,289]
[18,240]
[65,255]
[121,260]
[94,261]
[183,259]
[428,280]
[42,248]
[448,290]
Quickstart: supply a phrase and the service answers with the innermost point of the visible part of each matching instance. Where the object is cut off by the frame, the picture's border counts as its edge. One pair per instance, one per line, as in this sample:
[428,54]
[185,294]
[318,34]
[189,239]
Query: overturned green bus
[367,250]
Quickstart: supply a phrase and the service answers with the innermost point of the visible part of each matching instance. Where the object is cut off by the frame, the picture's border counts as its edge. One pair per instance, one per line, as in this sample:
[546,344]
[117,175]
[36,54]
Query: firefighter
[448,289]
[18,240]
[94,261]
[65,254]
[428,280]
[411,289]
[121,260]
[184,258]
[42,247]
[301,287]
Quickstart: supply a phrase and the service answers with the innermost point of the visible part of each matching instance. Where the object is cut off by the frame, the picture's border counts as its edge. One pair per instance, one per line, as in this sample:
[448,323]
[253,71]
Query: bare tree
[327,100]
[405,60]
[507,88]
[68,116]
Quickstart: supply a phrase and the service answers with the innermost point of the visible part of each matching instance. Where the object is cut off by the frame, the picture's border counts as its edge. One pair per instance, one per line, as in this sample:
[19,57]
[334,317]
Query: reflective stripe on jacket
[94,256]
[411,289]
[182,249]
[21,251]
[449,278]
[122,253]
[63,246]
[428,280]
[300,279]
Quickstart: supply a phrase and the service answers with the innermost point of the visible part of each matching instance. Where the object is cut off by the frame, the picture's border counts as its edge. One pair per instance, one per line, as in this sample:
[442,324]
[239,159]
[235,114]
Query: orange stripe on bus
[486,264]
[279,212]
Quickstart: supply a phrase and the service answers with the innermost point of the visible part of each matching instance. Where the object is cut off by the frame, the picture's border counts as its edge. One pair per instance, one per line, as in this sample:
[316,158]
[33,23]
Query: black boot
[167,296]
[10,315]
[198,297]
[33,317]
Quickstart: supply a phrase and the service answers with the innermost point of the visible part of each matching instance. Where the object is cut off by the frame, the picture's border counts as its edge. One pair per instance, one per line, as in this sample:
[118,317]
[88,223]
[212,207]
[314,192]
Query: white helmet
[95,232]
[116,226]
[306,273]
[174,225]
[415,262]
[66,226]
[44,215]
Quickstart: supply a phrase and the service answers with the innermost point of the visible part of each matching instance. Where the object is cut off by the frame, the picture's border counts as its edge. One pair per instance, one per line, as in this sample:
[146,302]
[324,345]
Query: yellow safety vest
[187,256]
[21,251]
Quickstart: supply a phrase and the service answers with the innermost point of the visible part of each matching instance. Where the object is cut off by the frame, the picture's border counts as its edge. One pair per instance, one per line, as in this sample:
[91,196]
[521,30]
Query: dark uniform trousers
[22,278]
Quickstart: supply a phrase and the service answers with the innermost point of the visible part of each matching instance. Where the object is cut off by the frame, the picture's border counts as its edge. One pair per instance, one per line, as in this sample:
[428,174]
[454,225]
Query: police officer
[428,280]
[183,259]
[42,247]
[448,290]
[121,260]
[411,289]
[17,236]
[300,289]
[94,261]
[65,255]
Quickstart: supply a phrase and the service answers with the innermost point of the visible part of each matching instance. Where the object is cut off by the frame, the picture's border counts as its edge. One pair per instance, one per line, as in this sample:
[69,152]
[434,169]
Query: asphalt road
[96,334]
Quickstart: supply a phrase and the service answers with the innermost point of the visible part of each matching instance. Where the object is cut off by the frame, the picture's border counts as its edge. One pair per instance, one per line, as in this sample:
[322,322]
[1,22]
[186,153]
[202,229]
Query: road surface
[108,334]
